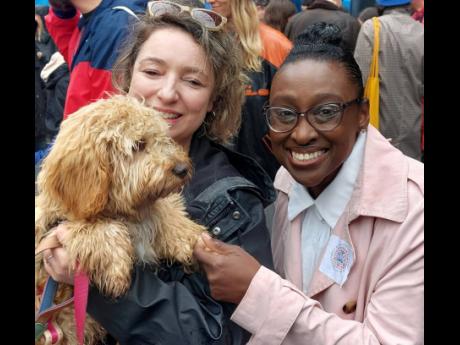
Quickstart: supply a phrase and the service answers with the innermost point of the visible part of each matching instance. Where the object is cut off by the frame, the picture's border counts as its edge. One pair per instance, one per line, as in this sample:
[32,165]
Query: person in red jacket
[88,34]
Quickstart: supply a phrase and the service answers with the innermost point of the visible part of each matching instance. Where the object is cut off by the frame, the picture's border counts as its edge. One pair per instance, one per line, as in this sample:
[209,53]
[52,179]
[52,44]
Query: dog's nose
[180,170]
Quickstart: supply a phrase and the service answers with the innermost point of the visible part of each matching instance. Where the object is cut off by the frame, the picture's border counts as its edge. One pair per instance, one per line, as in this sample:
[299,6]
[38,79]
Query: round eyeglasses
[211,20]
[324,117]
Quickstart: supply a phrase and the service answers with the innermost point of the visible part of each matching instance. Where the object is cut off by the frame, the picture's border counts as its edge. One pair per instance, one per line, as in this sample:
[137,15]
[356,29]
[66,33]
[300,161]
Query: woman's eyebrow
[151,59]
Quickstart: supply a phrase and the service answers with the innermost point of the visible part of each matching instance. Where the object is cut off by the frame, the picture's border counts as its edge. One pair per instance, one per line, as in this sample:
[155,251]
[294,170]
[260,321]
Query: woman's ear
[363,116]
[268,142]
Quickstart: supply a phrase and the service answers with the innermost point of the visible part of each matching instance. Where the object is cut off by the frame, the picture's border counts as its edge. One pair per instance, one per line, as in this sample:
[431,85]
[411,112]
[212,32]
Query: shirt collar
[332,201]
[299,200]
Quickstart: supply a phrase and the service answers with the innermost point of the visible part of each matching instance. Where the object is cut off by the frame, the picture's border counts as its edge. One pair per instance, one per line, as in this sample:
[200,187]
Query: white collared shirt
[323,213]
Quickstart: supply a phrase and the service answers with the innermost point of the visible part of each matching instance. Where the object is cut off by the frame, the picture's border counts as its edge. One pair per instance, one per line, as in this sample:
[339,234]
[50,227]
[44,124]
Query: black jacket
[56,90]
[166,306]
[40,105]
[253,126]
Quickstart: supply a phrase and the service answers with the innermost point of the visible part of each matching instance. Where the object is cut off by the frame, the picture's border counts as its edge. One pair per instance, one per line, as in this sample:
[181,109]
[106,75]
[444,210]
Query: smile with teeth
[307,156]
[169,116]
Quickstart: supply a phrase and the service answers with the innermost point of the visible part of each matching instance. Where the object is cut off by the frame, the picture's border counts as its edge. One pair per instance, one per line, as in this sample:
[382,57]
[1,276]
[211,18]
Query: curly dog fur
[114,175]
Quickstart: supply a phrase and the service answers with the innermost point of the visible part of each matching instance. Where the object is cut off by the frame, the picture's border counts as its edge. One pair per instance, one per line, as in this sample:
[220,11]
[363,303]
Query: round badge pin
[340,258]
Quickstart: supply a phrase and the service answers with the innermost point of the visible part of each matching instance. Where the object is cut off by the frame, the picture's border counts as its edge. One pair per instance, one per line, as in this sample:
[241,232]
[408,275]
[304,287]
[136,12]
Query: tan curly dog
[113,175]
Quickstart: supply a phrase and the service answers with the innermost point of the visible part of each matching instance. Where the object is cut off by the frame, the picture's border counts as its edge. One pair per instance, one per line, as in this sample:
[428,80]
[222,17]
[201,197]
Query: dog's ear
[76,173]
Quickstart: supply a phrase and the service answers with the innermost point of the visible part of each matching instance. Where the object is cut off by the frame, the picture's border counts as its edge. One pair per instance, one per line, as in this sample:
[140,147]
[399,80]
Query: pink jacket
[381,302]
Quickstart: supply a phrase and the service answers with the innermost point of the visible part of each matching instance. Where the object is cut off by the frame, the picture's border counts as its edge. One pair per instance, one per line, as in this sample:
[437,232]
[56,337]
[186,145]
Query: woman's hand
[229,268]
[56,259]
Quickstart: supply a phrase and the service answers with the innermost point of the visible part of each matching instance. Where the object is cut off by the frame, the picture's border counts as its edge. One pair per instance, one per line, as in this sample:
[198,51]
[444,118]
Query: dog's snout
[180,170]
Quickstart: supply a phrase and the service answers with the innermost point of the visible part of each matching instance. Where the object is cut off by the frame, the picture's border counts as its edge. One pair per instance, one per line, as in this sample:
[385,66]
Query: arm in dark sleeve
[167,307]
[254,237]
[236,217]
[242,222]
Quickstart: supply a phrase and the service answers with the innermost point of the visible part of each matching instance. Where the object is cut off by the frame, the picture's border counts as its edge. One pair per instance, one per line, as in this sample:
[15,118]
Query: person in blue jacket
[88,34]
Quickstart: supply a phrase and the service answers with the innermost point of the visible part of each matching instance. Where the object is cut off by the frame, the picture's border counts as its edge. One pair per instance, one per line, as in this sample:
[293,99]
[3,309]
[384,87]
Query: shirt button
[236,215]
[216,231]
[349,307]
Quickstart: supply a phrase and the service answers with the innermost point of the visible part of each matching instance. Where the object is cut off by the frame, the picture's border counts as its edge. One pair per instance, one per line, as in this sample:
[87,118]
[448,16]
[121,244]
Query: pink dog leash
[80,297]
[80,294]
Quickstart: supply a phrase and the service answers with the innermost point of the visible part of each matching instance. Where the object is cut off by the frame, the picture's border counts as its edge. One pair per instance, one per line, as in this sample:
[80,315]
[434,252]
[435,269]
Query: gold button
[349,307]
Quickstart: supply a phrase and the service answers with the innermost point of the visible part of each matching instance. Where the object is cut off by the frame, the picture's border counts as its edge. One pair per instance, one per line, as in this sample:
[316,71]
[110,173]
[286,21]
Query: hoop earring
[209,114]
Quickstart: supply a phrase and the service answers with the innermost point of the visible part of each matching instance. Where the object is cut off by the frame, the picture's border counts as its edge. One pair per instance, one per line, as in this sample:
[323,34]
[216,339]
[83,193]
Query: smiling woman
[193,69]
[178,83]
[347,238]
[193,76]
[314,150]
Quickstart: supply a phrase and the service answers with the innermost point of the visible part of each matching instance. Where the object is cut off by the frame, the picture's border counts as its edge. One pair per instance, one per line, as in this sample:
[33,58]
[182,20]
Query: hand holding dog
[229,268]
[57,260]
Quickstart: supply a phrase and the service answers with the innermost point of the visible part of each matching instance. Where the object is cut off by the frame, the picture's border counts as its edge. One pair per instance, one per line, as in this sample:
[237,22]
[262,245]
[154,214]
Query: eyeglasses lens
[158,8]
[262,3]
[325,115]
[281,119]
[208,19]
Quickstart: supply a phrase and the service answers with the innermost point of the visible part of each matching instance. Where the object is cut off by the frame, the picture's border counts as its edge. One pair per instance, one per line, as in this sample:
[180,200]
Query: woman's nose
[168,92]
[303,132]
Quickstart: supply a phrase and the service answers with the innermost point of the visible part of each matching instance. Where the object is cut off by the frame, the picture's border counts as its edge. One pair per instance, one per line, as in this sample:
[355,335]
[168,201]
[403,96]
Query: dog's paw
[104,251]
[115,280]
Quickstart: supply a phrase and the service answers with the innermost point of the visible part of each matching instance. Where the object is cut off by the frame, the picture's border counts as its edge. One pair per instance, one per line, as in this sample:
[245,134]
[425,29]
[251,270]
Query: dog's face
[112,156]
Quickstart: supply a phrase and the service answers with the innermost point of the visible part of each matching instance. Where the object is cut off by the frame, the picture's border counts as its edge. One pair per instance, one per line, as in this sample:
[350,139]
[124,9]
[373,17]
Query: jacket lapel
[376,197]
[320,280]
[293,253]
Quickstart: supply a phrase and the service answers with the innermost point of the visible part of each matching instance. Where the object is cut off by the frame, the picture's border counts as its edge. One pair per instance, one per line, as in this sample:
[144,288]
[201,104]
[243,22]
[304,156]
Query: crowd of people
[321,238]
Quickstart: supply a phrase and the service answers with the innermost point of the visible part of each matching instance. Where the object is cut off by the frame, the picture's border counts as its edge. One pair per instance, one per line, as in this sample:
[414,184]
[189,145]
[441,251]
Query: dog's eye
[139,145]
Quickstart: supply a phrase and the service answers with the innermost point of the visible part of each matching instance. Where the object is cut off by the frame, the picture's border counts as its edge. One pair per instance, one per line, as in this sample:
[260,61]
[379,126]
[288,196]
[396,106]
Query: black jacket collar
[212,161]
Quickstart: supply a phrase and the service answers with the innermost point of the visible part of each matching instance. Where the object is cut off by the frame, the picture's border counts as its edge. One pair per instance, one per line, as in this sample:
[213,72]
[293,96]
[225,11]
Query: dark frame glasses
[211,20]
[323,117]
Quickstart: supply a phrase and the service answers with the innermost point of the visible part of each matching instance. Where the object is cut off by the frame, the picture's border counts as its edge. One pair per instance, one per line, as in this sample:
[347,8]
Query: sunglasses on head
[211,20]
[263,3]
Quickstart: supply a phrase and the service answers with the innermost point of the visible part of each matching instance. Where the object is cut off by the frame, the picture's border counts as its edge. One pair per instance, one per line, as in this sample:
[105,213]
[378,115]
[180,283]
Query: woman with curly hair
[180,62]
